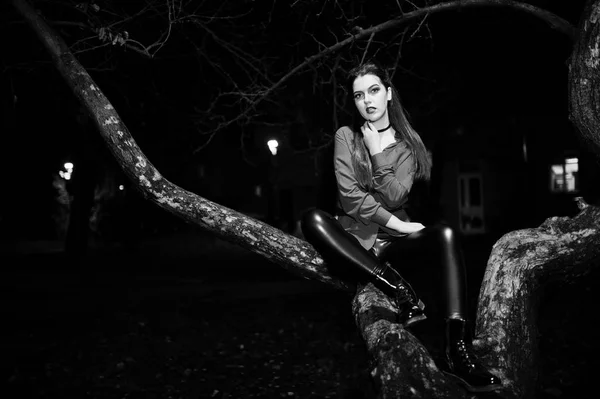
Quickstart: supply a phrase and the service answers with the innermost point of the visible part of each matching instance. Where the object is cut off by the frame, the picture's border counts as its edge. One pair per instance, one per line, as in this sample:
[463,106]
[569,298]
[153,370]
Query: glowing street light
[66,174]
[273,144]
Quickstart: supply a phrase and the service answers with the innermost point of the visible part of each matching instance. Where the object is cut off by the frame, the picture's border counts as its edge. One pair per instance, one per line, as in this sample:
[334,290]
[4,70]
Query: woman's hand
[371,138]
[403,227]
[412,227]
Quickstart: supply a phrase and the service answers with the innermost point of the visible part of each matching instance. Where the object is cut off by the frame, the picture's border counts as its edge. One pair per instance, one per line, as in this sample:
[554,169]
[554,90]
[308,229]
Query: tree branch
[553,20]
[293,254]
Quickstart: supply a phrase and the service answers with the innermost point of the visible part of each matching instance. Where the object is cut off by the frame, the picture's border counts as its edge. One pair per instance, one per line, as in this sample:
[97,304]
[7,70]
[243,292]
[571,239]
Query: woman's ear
[389,94]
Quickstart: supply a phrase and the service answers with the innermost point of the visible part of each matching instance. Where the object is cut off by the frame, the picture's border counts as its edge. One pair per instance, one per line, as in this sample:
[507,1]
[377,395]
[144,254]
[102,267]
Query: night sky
[462,68]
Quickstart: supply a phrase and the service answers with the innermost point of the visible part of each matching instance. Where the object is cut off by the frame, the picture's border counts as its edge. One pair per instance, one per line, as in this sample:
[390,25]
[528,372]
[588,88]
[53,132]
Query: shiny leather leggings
[338,246]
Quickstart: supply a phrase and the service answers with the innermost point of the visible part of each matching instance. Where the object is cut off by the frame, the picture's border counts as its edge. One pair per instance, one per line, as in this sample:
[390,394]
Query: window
[563,176]
[470,203]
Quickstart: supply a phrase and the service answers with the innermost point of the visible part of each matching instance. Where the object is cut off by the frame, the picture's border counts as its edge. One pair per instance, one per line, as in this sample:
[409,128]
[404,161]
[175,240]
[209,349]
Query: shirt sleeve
[393,181]
[354,200]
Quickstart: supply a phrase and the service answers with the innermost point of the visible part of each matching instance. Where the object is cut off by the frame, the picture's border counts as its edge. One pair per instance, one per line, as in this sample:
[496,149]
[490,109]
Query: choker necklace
[383,130]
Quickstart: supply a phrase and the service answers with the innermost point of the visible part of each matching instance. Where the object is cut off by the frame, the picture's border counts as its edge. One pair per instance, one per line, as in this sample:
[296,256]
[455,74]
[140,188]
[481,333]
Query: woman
[376,162]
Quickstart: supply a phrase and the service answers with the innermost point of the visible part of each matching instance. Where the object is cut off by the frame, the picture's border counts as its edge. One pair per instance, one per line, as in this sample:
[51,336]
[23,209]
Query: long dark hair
[361,159]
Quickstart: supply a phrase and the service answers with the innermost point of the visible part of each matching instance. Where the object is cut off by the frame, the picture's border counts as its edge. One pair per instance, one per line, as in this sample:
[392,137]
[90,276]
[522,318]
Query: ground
[138,325]
[115,345]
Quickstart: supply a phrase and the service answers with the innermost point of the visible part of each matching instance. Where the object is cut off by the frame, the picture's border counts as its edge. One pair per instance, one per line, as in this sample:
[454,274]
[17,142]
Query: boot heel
[462,363]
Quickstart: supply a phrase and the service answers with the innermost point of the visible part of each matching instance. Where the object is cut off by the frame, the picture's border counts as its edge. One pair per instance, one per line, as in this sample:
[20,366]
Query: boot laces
[464,352]
[401,298]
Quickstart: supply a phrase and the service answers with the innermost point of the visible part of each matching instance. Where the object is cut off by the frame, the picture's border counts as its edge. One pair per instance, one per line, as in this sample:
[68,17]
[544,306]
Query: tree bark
[520,264]
[403,367]
[584,77]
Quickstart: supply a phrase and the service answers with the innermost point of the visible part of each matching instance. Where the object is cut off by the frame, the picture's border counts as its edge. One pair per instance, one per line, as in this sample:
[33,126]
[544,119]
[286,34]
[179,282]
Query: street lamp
[66,174]
[273,144]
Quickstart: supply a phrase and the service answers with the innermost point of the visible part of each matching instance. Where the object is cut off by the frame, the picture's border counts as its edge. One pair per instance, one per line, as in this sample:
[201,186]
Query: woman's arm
[355,201]
[393,186]
[392,179]
[403,227]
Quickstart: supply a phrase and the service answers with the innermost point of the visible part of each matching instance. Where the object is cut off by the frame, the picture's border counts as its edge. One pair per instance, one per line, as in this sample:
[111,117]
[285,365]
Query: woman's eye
[357,96]
[375,89]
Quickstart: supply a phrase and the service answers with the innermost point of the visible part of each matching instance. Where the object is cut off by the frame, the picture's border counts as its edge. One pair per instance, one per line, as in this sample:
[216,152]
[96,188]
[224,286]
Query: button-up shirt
[364,214]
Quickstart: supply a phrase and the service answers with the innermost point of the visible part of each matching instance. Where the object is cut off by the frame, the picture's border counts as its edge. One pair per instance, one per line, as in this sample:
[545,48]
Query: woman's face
[371,97]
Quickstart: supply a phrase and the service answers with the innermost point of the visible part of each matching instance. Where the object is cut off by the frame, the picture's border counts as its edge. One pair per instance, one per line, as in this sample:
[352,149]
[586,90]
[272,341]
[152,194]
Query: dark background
[156,307]
[464,68]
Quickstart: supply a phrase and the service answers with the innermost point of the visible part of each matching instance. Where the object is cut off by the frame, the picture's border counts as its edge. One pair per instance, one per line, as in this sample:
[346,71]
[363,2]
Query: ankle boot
[410,307]
[462,363]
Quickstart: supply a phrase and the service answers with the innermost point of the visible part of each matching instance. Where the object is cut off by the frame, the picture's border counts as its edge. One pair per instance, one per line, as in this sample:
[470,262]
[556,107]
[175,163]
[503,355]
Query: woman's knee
[444,232]
[312,219]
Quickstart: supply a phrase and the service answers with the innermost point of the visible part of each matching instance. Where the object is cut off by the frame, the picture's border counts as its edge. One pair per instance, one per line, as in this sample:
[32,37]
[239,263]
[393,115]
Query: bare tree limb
[553,20]
[293,254]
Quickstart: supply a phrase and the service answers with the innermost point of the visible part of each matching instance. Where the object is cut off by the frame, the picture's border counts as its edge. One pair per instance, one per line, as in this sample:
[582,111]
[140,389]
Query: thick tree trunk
[520,263]
[584,79]
[83,182]
[78,230]
[403,367]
